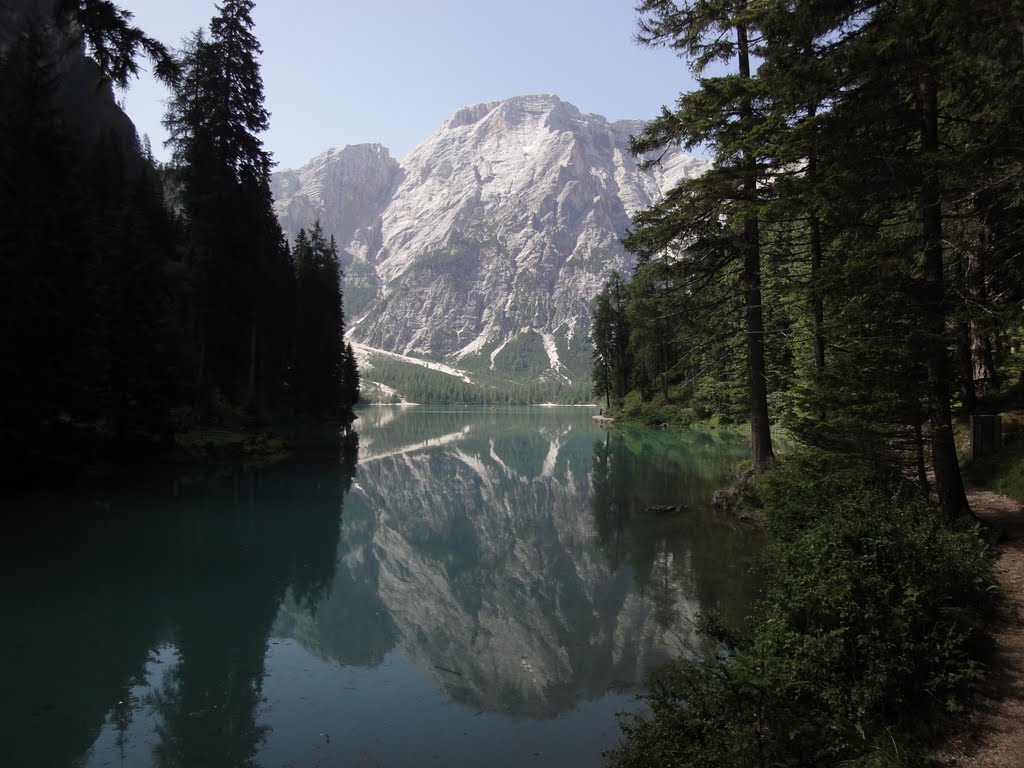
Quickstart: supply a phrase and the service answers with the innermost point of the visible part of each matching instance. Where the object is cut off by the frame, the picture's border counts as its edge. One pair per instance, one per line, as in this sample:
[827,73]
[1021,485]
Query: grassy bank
[868,637]
[677,411]
[1003,472]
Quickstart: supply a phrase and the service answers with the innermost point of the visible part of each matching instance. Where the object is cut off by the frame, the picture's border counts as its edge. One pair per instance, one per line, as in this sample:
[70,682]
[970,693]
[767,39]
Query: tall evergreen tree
[239,256]
[610,334]
[350,384]
[715,218]
[112,41]
[42,226]
[91,304]
[325,379]
[880,67]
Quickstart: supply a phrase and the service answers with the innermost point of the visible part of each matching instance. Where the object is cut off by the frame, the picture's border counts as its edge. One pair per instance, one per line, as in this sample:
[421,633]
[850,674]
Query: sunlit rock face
[499,228]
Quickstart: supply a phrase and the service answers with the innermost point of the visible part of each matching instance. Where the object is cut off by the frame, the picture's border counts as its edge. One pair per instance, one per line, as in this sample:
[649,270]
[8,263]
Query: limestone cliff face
[499,228]
[346,188]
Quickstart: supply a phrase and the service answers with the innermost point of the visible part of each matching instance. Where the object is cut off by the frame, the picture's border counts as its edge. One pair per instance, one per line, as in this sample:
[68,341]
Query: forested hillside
[139,299]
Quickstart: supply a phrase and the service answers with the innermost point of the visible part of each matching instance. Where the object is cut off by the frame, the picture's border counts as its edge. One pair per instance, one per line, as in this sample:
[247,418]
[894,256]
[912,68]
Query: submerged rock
[667,510]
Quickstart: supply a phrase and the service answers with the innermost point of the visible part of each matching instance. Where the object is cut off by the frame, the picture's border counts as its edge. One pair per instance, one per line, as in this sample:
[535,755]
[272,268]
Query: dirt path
[994,736]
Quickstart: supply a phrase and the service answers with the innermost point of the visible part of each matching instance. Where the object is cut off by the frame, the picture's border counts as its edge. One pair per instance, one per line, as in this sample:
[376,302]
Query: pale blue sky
[344,72]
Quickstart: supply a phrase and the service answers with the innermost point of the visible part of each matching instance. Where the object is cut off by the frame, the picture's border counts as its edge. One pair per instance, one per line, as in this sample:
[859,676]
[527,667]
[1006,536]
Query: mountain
[482,250]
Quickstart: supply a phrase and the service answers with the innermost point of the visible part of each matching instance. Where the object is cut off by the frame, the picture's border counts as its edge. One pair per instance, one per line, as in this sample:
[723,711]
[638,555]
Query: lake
[485,587]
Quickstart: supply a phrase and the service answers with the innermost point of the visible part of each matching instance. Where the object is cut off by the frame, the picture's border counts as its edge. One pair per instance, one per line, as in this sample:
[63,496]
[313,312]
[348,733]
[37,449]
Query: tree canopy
[855,240]
[141,300]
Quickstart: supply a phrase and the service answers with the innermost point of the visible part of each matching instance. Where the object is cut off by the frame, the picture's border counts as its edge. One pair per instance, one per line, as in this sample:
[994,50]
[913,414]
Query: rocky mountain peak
[485,247]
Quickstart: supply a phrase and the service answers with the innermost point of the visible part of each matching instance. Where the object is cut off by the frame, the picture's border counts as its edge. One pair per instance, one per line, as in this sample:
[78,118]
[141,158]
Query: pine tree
[42,227]
[714,219]
[112,41]
[652,334]
[350,388]
[91,308]
[881,68]
[238,254]
[326,383]
[610,334]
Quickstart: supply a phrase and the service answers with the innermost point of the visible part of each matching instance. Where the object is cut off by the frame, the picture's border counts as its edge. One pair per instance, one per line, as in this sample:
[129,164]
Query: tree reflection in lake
[687,555]
[95,587]
[472,543]
[492,588]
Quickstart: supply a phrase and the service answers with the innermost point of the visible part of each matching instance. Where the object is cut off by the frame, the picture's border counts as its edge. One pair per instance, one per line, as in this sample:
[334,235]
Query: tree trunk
[817,300]
[760,432]
[983,367]
[200,407]
[817,314]
[922,470]
[948,482]
[664,367]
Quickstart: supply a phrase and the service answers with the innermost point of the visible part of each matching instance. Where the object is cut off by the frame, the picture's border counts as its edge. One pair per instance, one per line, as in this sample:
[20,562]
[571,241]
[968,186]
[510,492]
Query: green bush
[1003,472]
[869,634]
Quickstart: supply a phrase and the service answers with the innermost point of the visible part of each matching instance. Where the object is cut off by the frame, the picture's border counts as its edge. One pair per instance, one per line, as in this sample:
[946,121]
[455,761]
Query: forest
[850,267]
[848,270]
[143,300]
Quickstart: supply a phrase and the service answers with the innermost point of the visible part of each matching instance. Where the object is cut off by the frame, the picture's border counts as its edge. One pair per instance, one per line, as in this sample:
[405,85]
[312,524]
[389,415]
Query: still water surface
[484,588]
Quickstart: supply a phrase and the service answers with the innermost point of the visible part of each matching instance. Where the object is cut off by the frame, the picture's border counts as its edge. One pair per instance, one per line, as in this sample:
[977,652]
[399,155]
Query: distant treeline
[421,385]
[141,299]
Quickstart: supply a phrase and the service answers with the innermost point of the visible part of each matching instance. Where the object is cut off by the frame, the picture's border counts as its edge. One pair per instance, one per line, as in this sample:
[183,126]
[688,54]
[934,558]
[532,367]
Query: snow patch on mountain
[365,354]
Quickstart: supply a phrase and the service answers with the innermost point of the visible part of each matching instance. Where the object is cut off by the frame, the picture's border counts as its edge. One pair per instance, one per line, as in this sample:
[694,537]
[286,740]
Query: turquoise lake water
[484,588]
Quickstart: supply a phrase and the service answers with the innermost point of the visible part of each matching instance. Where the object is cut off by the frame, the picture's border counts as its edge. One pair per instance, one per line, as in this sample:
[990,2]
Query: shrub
[870,632]
[1002,471]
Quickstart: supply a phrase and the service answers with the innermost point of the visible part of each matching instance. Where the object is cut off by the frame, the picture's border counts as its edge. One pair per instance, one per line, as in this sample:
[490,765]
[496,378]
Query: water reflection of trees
[205,567]
[473,554]
[690,554]
[466,547]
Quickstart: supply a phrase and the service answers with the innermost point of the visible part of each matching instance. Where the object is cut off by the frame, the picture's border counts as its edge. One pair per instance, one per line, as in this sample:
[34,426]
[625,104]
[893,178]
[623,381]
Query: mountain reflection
[506,555]
[94,588]
[468,546]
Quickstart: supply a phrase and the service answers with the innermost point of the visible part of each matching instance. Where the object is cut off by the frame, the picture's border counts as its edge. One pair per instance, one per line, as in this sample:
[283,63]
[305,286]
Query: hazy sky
[345,72]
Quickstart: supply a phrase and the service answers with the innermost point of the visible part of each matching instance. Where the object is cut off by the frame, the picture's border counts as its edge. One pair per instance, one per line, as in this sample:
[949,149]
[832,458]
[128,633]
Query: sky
[341,72]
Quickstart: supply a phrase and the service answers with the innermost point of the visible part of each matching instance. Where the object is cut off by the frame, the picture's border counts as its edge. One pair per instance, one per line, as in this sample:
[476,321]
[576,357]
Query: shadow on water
[94,588]
[691,553]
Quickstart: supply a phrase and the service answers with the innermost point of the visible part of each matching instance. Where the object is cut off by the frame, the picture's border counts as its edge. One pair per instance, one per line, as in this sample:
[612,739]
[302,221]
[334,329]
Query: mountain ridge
[485,245]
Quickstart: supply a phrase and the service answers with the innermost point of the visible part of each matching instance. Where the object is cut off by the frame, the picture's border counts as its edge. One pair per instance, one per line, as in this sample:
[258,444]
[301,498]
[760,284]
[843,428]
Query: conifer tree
[112,41]
[714,218]
[610,334]
[45,359]
[323,379]
[238,253]
[870,156]
[350,387]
